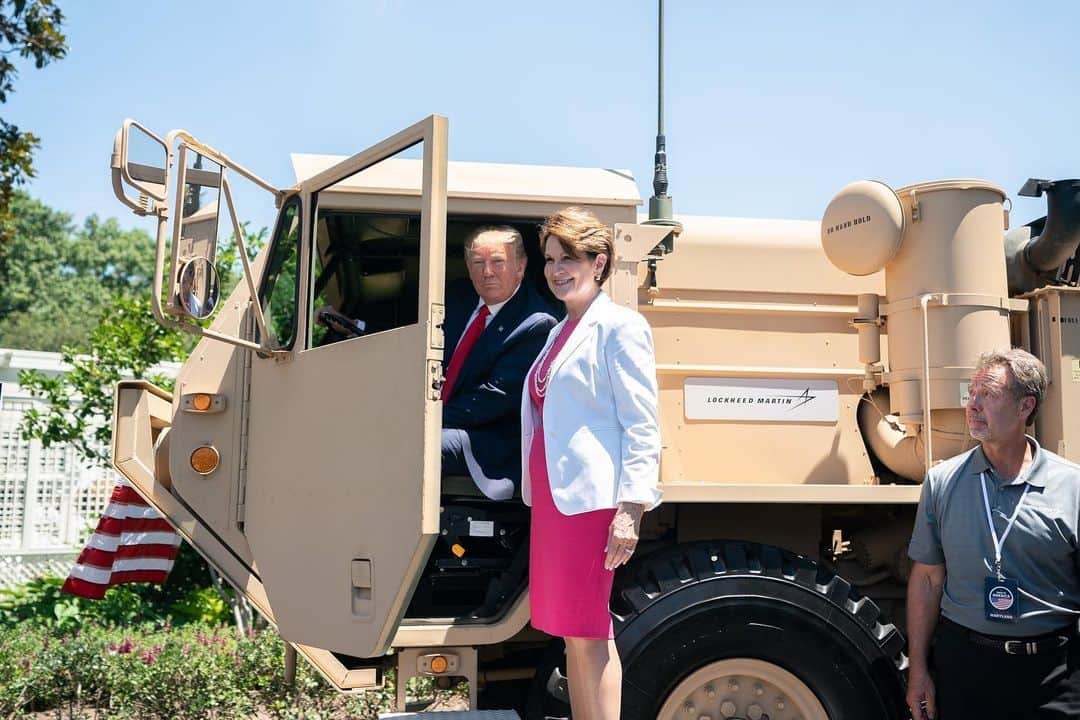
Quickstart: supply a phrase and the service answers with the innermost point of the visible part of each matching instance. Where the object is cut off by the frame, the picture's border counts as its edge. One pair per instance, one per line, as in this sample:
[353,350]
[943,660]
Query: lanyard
[998,543]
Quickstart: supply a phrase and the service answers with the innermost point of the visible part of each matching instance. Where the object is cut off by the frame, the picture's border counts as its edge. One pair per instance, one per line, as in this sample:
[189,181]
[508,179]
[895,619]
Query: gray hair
[1027,374]
[513,238]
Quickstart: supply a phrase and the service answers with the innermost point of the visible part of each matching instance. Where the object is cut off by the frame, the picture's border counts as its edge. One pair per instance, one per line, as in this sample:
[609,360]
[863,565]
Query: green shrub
[40,603]
[190,672]
[201,605]
[185,597]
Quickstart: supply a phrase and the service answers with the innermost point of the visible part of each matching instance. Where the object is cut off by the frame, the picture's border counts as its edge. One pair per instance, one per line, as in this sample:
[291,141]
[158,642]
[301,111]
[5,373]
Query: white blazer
[601,431]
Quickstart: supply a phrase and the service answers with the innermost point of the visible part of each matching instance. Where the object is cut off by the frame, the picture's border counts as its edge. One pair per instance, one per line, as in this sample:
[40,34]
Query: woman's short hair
[1027,374]
[581,234]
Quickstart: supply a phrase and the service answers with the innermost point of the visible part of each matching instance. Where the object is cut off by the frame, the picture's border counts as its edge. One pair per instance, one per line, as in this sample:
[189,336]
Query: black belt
[1035,645]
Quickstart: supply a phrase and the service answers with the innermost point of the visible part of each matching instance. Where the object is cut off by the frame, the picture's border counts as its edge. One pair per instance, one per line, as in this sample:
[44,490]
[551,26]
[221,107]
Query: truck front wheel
[733,629]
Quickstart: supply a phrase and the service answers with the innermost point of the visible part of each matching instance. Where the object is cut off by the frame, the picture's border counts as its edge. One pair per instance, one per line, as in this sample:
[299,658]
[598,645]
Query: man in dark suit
[493,334]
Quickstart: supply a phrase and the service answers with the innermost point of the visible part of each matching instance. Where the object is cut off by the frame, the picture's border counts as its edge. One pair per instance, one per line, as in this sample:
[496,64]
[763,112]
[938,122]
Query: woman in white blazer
[591,449]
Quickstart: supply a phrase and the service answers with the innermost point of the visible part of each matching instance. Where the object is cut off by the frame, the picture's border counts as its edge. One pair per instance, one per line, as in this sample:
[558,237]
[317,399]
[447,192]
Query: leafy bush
[185,597]
[191,672]
[202,605]
[40,603]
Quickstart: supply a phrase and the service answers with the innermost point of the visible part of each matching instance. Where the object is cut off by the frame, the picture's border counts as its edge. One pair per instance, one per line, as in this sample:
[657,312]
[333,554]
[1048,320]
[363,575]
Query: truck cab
[299,454]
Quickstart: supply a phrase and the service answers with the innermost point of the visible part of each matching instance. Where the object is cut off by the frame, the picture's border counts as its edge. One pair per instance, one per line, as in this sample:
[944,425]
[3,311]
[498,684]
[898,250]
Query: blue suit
[485,400]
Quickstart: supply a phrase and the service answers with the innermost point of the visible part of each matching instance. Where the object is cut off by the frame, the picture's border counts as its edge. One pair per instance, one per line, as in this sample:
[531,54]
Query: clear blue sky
[771,107]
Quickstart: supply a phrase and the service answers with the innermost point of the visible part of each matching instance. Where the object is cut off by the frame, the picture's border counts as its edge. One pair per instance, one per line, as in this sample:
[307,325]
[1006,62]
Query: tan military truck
[809,373]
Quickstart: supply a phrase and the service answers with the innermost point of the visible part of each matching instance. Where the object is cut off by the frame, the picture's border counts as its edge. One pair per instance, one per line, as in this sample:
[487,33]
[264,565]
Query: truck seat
[462,486]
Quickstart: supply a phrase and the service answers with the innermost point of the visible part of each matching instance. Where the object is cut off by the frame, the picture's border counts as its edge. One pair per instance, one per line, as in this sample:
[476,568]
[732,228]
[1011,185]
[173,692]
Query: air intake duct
[1035,252]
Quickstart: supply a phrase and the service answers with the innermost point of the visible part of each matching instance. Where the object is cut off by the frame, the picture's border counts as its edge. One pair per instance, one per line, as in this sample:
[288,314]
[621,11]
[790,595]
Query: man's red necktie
[461,352]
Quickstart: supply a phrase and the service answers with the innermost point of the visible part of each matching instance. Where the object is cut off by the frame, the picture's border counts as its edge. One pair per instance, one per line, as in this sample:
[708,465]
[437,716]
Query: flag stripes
[131,543]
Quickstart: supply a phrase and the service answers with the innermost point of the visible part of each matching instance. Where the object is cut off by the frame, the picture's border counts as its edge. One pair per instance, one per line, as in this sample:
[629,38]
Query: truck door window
[279,293]
[366,269]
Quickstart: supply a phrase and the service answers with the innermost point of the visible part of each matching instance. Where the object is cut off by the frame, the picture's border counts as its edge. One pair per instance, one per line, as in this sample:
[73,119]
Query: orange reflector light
[457,549]
[205,459]
[201,402]
[439,664]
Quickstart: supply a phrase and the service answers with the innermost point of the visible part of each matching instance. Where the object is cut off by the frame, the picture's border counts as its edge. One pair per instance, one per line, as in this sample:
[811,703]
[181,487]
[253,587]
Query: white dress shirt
[492,309]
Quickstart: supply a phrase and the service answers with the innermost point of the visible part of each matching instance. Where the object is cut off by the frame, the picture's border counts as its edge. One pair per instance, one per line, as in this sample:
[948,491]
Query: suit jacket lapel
[584,330]
[494,334]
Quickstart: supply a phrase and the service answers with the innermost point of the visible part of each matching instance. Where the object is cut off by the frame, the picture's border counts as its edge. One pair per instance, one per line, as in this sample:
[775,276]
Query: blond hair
[513,237]
[581,234]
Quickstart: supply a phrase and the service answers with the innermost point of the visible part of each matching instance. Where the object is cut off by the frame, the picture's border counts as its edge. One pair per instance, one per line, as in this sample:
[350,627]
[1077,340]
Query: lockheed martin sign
[761,399]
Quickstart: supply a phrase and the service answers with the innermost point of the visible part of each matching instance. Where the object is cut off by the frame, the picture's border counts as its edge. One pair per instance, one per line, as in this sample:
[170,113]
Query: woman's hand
[623,534]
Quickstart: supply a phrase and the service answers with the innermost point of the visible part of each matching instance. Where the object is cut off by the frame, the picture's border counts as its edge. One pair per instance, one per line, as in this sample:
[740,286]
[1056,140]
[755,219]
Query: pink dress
[568,585]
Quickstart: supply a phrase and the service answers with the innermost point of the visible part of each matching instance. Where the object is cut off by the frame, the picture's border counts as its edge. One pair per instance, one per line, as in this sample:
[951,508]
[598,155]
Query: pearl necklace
[540,381]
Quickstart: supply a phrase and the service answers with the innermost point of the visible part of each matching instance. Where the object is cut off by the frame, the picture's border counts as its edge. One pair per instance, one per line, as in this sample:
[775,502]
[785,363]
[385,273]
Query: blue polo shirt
[1041,551]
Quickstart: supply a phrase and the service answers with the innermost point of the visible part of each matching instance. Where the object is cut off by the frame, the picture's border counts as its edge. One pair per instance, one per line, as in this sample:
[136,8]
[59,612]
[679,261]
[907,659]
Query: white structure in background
[50,499]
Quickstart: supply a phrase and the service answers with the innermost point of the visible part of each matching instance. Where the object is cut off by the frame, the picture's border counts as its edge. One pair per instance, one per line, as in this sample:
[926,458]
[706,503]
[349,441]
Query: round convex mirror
[199,288]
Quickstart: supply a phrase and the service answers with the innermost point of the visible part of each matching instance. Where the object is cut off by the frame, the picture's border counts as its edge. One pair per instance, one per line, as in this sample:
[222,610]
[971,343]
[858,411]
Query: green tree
[230,269]
[55,277]
[88,291]
[31,30]
[126,343]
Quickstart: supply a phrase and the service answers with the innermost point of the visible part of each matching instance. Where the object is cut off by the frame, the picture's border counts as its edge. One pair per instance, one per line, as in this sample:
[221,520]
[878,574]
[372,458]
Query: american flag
[132,543]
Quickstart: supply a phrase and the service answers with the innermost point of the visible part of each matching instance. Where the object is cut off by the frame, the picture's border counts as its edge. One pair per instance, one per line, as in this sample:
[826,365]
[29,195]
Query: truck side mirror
[199,288]
[140,161]
[197,209]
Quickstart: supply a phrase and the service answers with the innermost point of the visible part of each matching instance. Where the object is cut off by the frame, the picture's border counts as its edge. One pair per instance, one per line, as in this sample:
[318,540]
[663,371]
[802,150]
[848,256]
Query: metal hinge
[438,317]
[245,419]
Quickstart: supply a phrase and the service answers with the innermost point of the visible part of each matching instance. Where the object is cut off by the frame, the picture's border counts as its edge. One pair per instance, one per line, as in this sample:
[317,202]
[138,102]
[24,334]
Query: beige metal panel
[725,334]
[445,632]
[761,308]
[541,183]
[758,332]
[141,411]
[353,491]
[528,209]
[751,493]
[633,243]
[343,459]
[1055,332]
[749,255]
[218,368]
[754,371]
[722,453]
[336,673]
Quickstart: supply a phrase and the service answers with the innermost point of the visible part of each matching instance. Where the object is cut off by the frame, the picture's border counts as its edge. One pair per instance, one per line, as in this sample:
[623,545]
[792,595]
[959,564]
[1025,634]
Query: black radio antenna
[660,211]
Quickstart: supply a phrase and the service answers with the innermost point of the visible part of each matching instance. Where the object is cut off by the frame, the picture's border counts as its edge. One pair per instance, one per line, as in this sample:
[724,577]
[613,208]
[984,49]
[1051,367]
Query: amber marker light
[439,664]
[202,403]
[205,459]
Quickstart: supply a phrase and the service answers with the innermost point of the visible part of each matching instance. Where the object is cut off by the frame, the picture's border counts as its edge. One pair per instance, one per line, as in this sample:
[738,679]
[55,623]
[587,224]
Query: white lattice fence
[17,569]
[49,500]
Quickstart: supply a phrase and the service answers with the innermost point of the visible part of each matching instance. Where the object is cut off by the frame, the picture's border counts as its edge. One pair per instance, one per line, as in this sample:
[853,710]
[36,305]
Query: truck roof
[548,183]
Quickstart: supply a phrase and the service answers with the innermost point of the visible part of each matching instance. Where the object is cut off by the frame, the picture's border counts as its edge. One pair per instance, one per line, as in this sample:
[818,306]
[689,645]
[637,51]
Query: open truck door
[341,497]
[303,464]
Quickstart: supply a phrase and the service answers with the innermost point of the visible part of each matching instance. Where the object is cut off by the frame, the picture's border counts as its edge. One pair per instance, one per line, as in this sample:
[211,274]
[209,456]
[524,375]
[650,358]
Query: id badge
[1001,599]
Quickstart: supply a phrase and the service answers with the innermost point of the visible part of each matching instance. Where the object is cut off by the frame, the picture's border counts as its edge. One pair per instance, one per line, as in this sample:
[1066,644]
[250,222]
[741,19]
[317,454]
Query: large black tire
[744,630]
[759,617]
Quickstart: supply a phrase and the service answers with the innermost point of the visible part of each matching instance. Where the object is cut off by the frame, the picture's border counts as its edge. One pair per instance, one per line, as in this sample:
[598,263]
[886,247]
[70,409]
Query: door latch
[435,376]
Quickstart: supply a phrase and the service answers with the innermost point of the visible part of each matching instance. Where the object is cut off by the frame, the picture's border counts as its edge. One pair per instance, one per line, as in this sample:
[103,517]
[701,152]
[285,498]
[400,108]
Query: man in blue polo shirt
[996,575]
